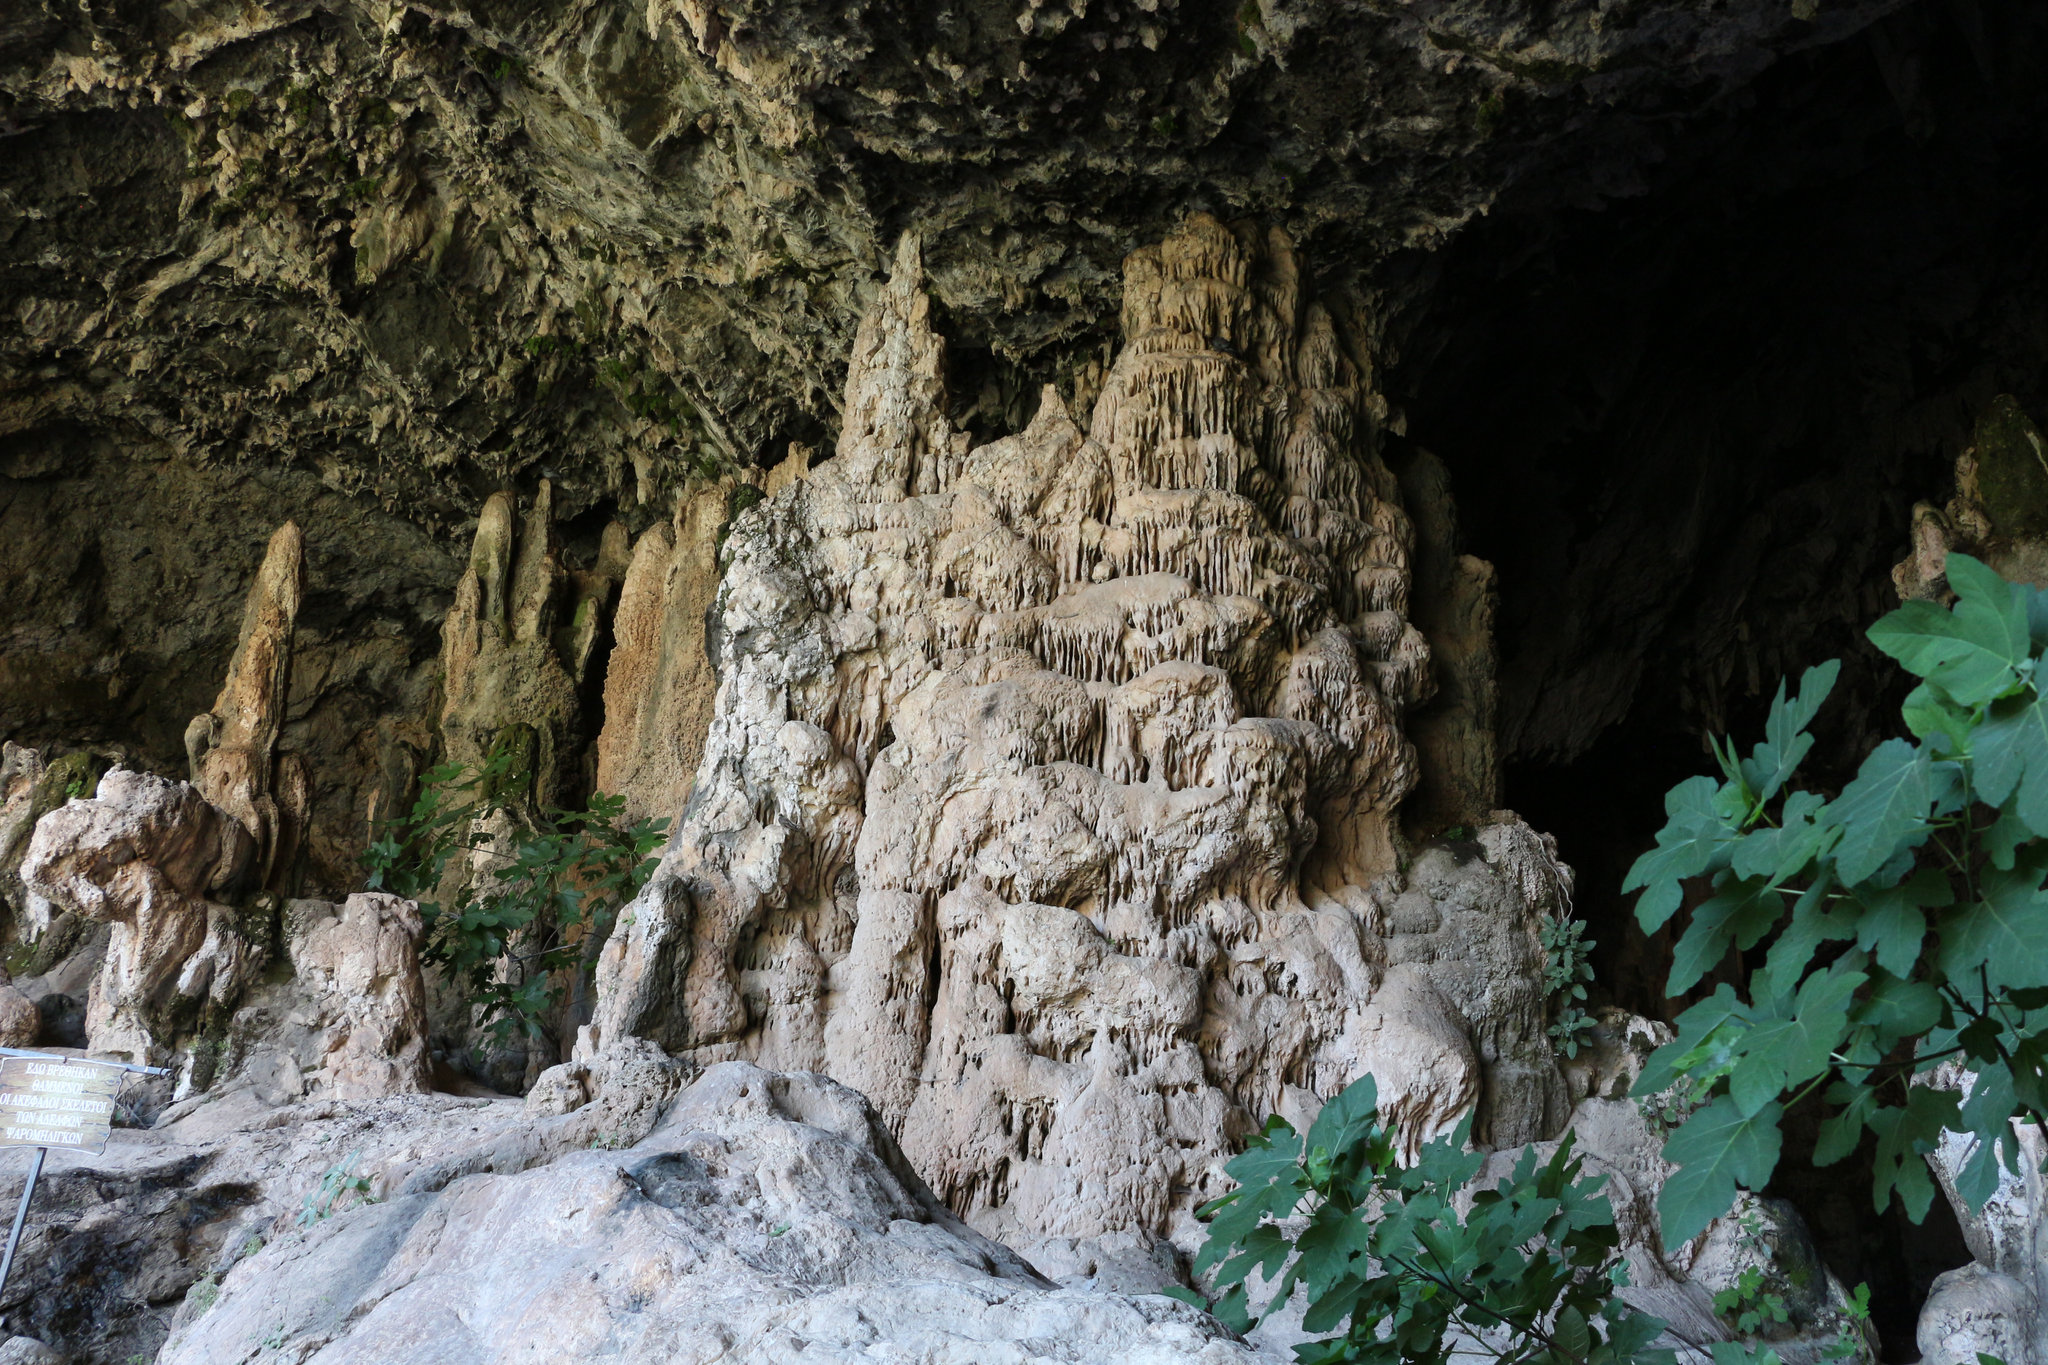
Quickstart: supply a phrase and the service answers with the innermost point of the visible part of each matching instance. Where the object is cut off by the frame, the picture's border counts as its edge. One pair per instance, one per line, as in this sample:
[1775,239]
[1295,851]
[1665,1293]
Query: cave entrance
[1688,424]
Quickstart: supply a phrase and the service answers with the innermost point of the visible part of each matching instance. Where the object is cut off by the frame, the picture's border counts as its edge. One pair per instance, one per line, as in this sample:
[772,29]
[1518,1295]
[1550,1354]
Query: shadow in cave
[1689,427]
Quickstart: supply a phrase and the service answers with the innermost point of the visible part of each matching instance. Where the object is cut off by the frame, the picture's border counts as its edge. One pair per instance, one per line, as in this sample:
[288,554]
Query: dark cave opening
[1689,427]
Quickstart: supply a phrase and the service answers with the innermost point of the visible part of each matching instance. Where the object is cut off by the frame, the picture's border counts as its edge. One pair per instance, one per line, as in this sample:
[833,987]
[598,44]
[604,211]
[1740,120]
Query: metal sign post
[48,1100]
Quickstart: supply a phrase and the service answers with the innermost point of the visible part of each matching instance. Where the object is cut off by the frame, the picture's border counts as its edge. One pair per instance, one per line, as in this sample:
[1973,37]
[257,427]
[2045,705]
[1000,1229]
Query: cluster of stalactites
[1226,507]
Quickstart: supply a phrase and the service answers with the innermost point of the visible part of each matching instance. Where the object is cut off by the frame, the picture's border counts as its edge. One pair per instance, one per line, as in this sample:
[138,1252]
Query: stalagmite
[1025,756]
[233,748]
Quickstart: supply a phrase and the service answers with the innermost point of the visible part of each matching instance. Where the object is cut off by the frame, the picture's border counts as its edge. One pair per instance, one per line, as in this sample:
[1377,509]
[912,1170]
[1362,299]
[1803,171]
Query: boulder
[359,964]
[143,855]
[766,1218]
[21,1023]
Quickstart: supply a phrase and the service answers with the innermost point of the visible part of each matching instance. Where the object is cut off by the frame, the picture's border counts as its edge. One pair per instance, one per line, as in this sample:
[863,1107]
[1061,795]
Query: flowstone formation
[1049,797]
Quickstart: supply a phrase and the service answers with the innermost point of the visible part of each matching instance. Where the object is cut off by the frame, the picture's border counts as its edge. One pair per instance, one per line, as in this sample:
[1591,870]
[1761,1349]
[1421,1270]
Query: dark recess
[1689,427]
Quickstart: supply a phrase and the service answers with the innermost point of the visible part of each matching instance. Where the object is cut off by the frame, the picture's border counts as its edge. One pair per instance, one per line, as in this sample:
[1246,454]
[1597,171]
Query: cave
[551,327]
[1689,423]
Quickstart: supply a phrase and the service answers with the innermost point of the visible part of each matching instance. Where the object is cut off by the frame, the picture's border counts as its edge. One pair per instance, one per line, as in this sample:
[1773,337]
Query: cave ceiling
[420,250]
[364,264]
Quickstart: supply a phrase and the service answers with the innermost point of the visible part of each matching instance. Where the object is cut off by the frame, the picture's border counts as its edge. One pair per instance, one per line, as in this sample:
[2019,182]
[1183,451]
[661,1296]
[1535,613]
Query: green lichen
[1487,116]
[2012,470]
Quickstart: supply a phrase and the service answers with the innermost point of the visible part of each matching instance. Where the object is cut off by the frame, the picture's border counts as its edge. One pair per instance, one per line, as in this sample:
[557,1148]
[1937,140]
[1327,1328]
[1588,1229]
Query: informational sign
[52,1102]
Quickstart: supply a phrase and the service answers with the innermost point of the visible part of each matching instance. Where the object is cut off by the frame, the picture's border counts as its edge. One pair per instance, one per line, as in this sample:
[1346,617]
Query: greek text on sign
[56,1103]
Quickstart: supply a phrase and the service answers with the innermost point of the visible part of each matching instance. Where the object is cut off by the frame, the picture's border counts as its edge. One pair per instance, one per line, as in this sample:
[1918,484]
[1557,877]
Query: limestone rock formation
[1456,734]
[148,855]
[232,749]
[659,678]
[768,1218]
[1050,794]
[519,642]
[360,962]
[1998,1304]
[1999,512]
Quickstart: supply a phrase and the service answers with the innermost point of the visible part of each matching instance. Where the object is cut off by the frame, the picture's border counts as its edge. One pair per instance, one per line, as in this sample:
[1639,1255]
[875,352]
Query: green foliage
[1747,1306]
[337,1184]
[512,935]
[1386,1259]
[1567,971]
[1899,924]
[1852,1343]
[1672,1106]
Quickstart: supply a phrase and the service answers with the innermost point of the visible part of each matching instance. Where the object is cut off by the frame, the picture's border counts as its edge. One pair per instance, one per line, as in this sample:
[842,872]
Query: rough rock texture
[1456,735]
[1998,1304]
[146,855]
[519,643]
[766,1218]
[624,235]
[1999,513]
[659,681]
[232,748]
[1049,798]
[365,267]
[360,962]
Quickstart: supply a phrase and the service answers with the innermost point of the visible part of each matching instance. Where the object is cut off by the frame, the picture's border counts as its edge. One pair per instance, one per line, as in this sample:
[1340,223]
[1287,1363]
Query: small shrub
[1567,971]
[337,1184]
[1389,1263]
[511,937]
[1902,923]
[1747,1306]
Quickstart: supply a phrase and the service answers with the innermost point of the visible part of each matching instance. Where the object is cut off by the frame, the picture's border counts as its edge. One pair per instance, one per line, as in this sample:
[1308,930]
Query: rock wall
[1049,797]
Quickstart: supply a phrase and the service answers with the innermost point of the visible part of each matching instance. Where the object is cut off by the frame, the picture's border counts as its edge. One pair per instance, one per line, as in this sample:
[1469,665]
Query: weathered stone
[659,679]
[143,855]
[359,962]
[232,749]
[1999,512]
[768,1218]
[1050,794]
[518,643]
[2003,1295]
[1456,734]
[21,1023]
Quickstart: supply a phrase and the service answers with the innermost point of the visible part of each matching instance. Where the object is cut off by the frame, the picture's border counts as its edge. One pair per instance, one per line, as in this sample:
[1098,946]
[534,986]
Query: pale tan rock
[359,962]
[29,1351]
[517,647]
[1999,513]
[1049,797]
[768,1218]
[2008,1237]
[1456,734]
[659,681]
[559,1090]
[20,770]
[143,855]
[21,1023]
[232,749]
[30,789]
[1974,1311]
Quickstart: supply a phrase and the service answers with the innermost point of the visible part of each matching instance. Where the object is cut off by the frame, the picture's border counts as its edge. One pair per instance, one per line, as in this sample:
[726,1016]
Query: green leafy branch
[1529,1271]
[513,935]
[337,1183]
[1900,924]
[1567,971]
